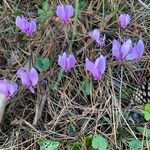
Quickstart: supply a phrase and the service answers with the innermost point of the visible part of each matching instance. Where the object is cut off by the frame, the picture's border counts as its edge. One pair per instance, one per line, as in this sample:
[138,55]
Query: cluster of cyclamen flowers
[121,51]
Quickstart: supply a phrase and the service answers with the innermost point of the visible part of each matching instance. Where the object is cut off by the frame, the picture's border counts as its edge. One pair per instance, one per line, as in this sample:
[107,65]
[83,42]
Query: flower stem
[3,103]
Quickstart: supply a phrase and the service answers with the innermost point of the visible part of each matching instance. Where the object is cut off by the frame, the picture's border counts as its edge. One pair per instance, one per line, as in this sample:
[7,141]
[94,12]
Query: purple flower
[29,78]
[66,63]
[137,51]
[126,51]
[96,36]
[97,69]
[7,89]
[124,20]
[27,27]
[64,12]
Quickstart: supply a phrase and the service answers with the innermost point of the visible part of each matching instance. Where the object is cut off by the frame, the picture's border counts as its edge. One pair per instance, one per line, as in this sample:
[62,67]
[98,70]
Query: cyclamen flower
[96,36]
[29,78]
[124,20]
[97,69]
[27,27]
[7,89]
[126,51]
[66,63]
[64,12]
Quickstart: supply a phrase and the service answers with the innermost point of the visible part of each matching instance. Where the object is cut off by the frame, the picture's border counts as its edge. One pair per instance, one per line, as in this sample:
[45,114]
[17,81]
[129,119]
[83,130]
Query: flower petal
[139,48]
[32,27]
[18,21]
[62,61]
[71,61]
[126,48]
[23,75]
[100,64]
[69,11]
[4,89]
[90,66]
[12,87]
[124,20]
[60,12]
[33,75]
[95,34]
[116,46]
[127,20]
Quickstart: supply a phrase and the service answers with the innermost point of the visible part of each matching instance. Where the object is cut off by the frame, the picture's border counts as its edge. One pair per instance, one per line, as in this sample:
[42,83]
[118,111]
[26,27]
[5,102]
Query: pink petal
[124,20]
[127,20]
[4,88]
[100,64]
[90,66]
[24,25]
[139,48]
[69,11]
[126,48]
[116,47]
[95,34]
[62,61]
[71,61]
[33,75]
[23,75]
[32,27]
[18,21]
[60,12]
[130,56]
[32,89]
[12,87]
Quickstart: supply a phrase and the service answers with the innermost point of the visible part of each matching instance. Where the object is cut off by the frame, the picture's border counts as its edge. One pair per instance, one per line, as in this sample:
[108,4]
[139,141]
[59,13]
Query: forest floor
[69,109]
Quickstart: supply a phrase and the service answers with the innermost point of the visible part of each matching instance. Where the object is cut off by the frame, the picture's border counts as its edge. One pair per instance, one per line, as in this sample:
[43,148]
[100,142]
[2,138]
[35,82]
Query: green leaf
[45,6]
[82,5]
[135,144]
[86,87]
[71,129]
[145,132]
[48,144]
[75,146]
[146,115]
[49,13]
[147,108]
[53,86]
[40,11]
[42,64]
[88,141]
[16,13]
[99,143]
[146,112]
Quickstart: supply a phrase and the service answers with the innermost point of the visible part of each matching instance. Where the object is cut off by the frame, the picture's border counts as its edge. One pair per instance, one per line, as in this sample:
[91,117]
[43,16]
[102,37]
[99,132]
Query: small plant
[82,5]
[99,143]
[86,87]
[29,78]
[124,20]
[45,12]
[43,64]
[27,27]
[66,63]
[126,50]
[135,144]
[71,129]
[87,142]
[65,12]
[7,91]
[96,36]
[48,144]
[75,146]
[146,112]
[97,69]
